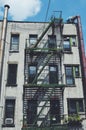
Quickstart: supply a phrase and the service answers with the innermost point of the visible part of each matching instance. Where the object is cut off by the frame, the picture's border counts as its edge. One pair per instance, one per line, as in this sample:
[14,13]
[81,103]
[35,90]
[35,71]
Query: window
[32,39]
[14,42]
[66,45]
[69,75]
[9,112]
[52,41]
[75,106]
[12,74]
[54,111]
[53,74]
[73,40]
[77,74]
[32,73]
[31,111]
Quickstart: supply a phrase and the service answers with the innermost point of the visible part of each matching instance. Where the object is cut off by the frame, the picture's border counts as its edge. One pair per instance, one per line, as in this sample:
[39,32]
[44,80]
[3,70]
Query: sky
[42,10]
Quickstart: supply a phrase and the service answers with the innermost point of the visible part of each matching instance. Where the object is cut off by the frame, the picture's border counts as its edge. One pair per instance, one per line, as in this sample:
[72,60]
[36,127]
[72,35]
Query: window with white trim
[14,45]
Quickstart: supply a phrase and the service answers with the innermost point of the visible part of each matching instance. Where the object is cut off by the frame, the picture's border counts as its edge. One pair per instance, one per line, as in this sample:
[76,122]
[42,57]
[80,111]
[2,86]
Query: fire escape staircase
[50,88]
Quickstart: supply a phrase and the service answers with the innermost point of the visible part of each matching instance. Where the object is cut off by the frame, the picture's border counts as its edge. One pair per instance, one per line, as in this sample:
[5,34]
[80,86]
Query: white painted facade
[24,29]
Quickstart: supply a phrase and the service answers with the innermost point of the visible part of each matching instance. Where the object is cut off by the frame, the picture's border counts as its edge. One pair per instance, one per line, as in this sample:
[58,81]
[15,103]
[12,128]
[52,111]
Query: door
[31,111]
[54,111]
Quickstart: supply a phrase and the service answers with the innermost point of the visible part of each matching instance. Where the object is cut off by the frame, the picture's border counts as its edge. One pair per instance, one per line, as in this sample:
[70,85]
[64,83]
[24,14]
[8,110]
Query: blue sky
[35,10]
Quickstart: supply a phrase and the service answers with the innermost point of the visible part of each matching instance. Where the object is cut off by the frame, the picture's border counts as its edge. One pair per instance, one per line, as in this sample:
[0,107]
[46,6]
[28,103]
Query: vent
[9,121]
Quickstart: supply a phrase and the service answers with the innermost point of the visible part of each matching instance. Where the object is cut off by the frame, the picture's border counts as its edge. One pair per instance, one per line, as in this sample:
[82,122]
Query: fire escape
[43,87]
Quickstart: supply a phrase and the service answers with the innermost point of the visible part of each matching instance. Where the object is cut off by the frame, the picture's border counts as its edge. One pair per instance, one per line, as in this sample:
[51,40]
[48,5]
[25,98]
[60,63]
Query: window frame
[53,73]
[31,111]
[12,73]
[68,45]
[14,45]
[50,43]
[77,102]
[9,108]
[77,72]
[33,39]
[69,76]
[54,111]
[32,77]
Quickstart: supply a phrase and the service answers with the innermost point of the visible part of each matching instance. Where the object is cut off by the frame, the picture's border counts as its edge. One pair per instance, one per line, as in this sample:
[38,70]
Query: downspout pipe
[82,57]
[2,43]
[81,53]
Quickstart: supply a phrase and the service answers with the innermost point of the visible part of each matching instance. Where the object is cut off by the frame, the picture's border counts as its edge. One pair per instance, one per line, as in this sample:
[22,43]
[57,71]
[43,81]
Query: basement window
[14,44]
[9,113]
[75,106]
[12,75]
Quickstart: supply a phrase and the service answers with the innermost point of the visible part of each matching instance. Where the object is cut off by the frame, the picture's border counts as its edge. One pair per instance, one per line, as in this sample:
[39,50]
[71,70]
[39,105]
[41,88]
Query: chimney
[2,42]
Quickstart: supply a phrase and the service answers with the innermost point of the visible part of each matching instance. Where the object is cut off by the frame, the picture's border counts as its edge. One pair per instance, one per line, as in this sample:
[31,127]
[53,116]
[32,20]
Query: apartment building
[42,72]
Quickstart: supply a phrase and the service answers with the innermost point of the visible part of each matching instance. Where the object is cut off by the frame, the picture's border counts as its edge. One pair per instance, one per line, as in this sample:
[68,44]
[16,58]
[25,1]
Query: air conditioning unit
[9,121]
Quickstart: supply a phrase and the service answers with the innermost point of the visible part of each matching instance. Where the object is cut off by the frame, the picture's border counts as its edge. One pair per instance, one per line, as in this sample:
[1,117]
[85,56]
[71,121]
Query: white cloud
[21,9]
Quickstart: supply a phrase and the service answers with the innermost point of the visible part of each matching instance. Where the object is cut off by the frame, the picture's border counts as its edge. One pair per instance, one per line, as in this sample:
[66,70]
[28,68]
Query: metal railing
[61,127]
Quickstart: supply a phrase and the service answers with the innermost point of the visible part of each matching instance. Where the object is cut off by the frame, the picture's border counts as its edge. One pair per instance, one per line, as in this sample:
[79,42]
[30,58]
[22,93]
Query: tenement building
[42,73]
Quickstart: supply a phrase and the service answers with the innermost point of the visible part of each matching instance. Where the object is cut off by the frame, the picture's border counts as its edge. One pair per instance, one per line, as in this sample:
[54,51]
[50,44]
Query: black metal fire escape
[39,89]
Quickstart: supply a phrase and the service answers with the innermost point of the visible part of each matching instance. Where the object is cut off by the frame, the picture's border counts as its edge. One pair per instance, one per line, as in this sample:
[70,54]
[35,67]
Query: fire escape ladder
[58,93]
[46,101]
[42,35]
[44,64]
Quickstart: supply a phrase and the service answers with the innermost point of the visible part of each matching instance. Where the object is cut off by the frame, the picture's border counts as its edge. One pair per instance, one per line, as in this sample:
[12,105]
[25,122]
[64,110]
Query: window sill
[68,52]
[14,51]
[72,85]
[77,77]
[8,125]
[11,85]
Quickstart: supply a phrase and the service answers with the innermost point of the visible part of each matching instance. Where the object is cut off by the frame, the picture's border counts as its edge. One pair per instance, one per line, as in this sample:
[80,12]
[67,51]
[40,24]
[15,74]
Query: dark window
[12,74]
[9,111]
[14,42]
[69,75]
[32,73]
[73,40]
[52,41]
[31,111]
[53,74]
[77,74]
[54,111]
[75,106]
[32,39]
[66,45]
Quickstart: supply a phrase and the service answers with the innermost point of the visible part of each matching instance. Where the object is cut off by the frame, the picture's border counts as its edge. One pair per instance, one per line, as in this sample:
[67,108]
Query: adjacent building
[42,69]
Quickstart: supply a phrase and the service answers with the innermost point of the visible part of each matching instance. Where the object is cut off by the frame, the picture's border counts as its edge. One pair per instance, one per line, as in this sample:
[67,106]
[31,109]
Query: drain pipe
[2,42]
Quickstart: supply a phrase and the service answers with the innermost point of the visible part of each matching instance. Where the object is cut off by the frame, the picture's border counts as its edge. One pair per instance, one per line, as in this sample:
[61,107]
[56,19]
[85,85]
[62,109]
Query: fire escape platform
[58,127]
[36,51]
[45,85]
